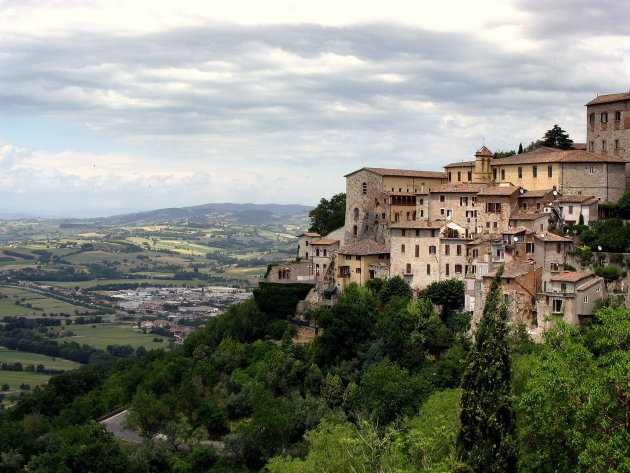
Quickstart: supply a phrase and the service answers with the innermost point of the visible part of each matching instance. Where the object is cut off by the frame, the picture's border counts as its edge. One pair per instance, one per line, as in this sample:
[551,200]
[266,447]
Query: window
[356,213]
[520,173]
[358,270]
[325,253]
[432,233]
[317,252]
[447,249]
[364,186]
[617,115]
[358,257]
[535,171]
[585,299]
[383,215]
[570,209]
[470,175]
[459,250]
[432,250]
[428,269]
[494,174]
[604,117]
[503,174]
[557,306]
[549,171]
[553,266]
[402,248]
[442,198]
[591,118]
[417,232]
[529,247]
[558,247]
[463,201]
[506,298]
[458,269]
[447,270]
[317,269]
[524,206]
[563,286]
[355,230]
[421,202]
[617,144]
[590,169]
[422,213]
[417,248]
[408,268]
[450,177]
[591,146]
[475,253]
[459,176]
[603,145]
[402,233]
[442,211]
[493,207]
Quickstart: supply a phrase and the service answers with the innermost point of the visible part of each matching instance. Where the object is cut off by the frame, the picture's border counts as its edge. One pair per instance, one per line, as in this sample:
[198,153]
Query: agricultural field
[16,378]
[33,304]
[101,335]
[49,362]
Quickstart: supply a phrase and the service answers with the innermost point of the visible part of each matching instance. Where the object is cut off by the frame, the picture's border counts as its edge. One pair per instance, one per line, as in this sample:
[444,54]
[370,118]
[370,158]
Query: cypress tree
[487,437]
[520,148]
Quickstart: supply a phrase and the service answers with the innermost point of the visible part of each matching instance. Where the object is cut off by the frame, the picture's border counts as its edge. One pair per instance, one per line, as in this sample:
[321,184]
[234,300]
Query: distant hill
[242,213]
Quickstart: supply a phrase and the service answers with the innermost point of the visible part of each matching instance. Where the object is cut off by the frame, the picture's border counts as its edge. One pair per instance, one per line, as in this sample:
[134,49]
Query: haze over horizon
[121,106]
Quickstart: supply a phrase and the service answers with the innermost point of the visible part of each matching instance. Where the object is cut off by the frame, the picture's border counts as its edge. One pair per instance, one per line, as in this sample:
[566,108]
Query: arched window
[325,252]
[355,230]
[364,186]
[317,252]
[356,213]
[317,269]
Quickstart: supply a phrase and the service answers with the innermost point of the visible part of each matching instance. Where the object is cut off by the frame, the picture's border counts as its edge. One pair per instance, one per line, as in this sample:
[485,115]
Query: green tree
[395,287]
[520,148]
[557,138]
[487,439]
[504,154]
[448,294]
[328,215]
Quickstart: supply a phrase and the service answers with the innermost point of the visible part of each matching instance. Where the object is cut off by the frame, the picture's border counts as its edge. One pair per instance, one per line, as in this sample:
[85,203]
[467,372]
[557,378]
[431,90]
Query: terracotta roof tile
[404,172]
[610,98]
[499,190]
[537,194]
[589,284]
[324,241]
[575,198]
[365,247]
[310,234]
[553,155]
[466,187]
[548,236]
[571,276]
[483,151]
[460,164]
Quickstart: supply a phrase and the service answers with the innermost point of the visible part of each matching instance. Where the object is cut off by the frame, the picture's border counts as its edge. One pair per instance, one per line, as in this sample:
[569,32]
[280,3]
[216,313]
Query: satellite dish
[555,193]
[521,190]
[515,239]
[599,248]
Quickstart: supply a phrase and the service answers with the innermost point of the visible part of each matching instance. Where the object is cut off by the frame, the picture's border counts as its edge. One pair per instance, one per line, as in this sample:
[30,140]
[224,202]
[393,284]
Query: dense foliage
[328,215]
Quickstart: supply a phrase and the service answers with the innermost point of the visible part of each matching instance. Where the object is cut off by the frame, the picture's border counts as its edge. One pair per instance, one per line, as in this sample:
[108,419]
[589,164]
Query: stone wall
[605,181]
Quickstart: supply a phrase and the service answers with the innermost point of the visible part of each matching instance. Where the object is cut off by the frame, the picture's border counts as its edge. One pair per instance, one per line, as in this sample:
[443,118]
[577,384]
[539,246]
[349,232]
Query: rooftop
[548,236]
[538,193]
[324,241]
[578,199]
[500,190]
[365,247]
[310,234]
[553,155]
[610,98]
[460,164]
[571,276]
[467,187]
[528,215]
[403,172]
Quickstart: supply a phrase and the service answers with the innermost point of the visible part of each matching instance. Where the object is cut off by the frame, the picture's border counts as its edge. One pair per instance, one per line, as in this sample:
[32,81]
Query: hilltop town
[475,216]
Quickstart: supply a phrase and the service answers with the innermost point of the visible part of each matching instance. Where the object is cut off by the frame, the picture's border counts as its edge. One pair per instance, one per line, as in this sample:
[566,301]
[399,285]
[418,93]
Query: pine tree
[520,148]
[487,437]
[557,138]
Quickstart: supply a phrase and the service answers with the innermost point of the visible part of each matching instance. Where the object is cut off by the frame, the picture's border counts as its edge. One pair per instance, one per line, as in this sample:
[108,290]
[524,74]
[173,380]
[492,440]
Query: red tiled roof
[403,172]
[538,193]
[575,198]
[590,284]
[500,190]
[553,155]
[548,236]
[571,276]
[466,187]
[324,241]
[460,164]
[610,98]
[310,234]
[483,151]
[365,247]
[527,215]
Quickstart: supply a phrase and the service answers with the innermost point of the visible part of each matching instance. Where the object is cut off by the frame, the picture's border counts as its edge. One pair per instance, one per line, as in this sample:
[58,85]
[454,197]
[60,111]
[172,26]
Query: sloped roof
[553,155]
[578,199]
[483,151]
[499,190]
[310,234]
[514,231]
[538,193]
[610,98]
[324,241]
[590,283]
[466,187]
[460,164]
[548,236]
[571,276]
[403,172]
[365,247]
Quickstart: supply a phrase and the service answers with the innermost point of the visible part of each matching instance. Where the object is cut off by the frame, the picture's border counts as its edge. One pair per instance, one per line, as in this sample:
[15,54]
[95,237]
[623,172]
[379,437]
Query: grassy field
[109,334]
[40,304]
[14,356]
[15,378]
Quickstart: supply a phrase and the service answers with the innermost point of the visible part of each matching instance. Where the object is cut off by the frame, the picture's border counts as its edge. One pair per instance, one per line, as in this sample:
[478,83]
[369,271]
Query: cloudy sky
[115,106]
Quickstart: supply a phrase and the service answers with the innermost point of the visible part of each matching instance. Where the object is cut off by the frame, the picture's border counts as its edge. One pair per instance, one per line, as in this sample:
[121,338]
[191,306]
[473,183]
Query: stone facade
[608,127]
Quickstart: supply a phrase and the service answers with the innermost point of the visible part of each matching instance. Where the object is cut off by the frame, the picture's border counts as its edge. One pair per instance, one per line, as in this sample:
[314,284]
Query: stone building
[495,205]
[323,252]
[608,127]
[375,197]
[456,202]
[572,206]
[361,261]
[304,242]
